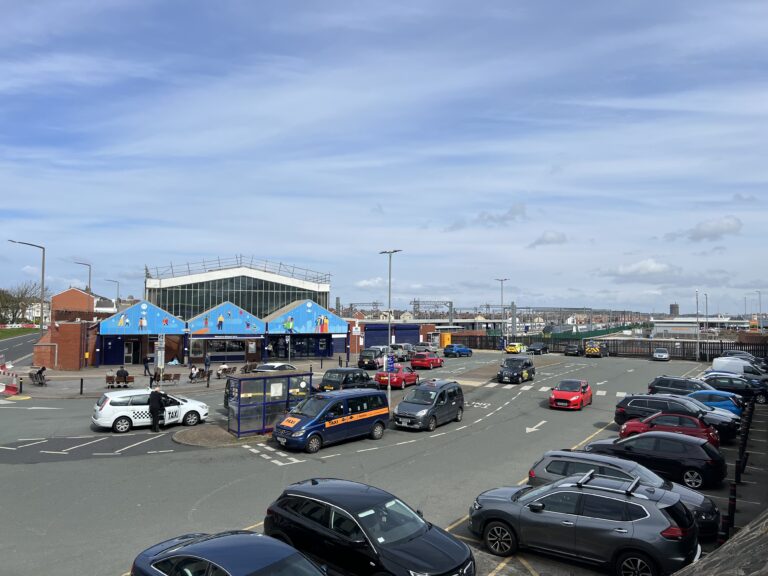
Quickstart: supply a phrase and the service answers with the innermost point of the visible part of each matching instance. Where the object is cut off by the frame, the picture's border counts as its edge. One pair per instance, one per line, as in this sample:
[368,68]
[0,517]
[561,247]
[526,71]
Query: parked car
[274,367]
[628,527]
[676,385]
[538,348]
[456,350]
[557,464]
[359,530]
[516,369]
[661,354]
[402,352]
[745,387]
[329,417]
[426,347]
[122,410]
[430,404]
[400,377]
[694,461]
[761,362]
[236,553]
[426,360]
[740,367]
[678,423]
[371,358]
[571,395]
[596,349]
[719,399]
[643,405]
[573,350]
[515,348]
[343,378]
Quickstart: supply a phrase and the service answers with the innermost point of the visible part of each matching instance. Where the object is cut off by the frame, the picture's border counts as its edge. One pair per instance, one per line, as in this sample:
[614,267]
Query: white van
[124,409]
[738,366]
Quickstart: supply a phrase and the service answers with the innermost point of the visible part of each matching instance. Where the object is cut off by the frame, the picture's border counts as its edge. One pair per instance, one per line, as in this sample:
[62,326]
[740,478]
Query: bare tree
[16,300]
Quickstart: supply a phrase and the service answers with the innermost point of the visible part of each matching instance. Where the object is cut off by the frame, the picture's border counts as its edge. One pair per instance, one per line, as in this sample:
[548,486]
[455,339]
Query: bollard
[744,462]
[81,386]
[738,470]
[21,384]
[339,361]
[732,505]
[208,379]
[723,532]
[321,363]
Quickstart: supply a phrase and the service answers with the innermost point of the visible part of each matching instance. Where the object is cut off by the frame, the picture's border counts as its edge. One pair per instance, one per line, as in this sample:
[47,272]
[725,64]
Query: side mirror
[420,513]
[552,388]
[330,416]
[536,506]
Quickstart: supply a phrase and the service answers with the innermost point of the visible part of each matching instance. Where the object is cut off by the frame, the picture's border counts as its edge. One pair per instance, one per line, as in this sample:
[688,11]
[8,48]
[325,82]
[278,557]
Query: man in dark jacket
[146,367]
[156,406]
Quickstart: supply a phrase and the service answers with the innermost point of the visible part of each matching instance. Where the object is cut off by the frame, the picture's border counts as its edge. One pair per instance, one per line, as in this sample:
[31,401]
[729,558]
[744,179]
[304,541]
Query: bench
[124,381]
[226,372]
[38,380]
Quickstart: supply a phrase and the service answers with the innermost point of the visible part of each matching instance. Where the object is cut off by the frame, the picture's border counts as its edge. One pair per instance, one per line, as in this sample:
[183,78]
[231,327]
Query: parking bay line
[86,444]
[33,443]
[725,498]
[53,452]
[138,443]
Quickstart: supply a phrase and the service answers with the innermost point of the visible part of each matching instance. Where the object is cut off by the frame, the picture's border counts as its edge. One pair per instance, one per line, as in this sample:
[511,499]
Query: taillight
[531,473]
[103,405]
[674,533]
[620,410]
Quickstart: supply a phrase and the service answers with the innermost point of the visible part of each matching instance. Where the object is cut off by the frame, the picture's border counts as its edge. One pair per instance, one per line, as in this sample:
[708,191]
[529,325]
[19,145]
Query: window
[657,404]
[124,401]
[670,446]
[561,502]
[343,524]
[641,444]
[687,422]
[182,566]
[666,420]
[613,473]
[359,404]
[557,467]
[452,394]
[377,401]
[441,398]
[336,410]
[314,511]
[639,403]
[216,571]
[635,512]
[141,400]
[580,468]
[605,508]
[736,383]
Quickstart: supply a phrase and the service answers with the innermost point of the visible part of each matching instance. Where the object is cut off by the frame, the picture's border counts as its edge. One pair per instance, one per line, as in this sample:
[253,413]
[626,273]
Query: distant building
[674,310]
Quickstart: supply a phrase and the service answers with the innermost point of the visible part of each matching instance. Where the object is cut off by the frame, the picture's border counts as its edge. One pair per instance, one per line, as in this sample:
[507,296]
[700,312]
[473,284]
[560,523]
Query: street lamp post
[89,289]
[698,331]
[759,311]
[706,314]
[389,321]
[503,322]
[117,299]
[42,281]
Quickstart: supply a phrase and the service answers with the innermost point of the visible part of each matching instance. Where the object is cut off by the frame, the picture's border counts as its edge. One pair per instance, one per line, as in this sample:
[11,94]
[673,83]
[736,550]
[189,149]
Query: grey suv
[557,464]
[631,528]
[430,404]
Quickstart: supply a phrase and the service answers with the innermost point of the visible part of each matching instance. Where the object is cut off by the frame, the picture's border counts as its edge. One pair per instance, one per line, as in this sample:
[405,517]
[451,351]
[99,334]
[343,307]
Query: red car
[679,423]
[402,376]
[426,360]
[571,395]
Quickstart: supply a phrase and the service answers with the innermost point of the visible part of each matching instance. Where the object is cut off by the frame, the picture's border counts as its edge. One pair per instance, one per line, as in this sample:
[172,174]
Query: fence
[258,403]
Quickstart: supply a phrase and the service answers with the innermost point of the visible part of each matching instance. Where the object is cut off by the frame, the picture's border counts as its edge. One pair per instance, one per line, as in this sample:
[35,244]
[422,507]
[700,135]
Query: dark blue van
[330,417]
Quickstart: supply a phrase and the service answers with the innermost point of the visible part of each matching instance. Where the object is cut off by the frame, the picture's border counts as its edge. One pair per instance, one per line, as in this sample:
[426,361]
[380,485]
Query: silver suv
[631,528]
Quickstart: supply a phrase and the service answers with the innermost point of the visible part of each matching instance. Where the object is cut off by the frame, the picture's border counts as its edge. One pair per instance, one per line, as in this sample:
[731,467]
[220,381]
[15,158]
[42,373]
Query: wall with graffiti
[142,318]
[226,319]
[307,318]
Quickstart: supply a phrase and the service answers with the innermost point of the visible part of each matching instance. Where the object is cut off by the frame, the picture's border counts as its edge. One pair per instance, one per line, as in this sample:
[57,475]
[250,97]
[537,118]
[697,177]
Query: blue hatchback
[457,350]
[237,553]
[719,399]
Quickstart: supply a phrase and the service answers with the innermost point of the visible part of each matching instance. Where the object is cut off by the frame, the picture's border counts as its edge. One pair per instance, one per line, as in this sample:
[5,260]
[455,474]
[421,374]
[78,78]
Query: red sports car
[571,395]
[680,423]
[402,376]
[426,360]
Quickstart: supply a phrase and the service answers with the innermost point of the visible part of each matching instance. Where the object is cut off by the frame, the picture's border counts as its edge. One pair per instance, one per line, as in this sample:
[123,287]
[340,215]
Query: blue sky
[602,154]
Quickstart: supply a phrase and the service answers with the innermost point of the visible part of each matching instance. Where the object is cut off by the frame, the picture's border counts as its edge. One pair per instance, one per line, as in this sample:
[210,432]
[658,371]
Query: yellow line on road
[588,438]
[254,526]
[500,566]
[527,564]
[459,521]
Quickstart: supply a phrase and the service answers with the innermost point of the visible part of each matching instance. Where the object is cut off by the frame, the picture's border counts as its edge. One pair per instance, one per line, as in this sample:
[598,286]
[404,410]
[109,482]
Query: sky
[601,154]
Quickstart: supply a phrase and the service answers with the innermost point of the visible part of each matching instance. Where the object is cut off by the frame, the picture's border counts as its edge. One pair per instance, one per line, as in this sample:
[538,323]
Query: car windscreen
[701,406]
[420,396]
[391,522]
[661,351]
[513,363]
[311,406]
[294,565]
[333,376]
[647,477]
[368,354]
[569,385]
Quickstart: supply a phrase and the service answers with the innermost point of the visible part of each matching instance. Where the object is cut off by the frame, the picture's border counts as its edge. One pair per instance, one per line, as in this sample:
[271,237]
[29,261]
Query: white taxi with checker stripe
[124,409]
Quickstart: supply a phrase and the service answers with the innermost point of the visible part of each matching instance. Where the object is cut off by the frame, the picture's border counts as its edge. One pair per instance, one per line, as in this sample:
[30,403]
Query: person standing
[207,362]
[156,377]
[156,406]
[146,366]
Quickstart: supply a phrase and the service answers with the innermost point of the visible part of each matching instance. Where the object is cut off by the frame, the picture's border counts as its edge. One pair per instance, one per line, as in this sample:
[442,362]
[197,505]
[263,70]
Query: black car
[355,530]
[746,388]
[643,405]
[573,350]
[676,385]
[516,369]
[538,348]
[694,461]
[343,378]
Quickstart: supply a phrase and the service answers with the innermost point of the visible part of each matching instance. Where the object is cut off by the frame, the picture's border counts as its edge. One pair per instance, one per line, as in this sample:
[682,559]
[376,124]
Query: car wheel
[581,404]
[635,564]
[378,431]
[191,418]
[693,478]
[760,398]
[314,444]
[499,539]
[432,424]
[470,353]
[122,425]
[460,415]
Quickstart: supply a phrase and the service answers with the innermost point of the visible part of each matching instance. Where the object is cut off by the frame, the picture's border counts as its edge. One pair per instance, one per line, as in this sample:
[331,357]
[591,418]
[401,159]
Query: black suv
[516,369]
[355,529]
[742,386]
[676,385]
[343,378]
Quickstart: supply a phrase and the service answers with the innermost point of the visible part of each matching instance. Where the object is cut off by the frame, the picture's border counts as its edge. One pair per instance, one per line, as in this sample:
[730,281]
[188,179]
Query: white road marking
[32,444]
[6,402]
[282,454]
[106,454]
[534,428]
[30,439]
[405,442]
[330,456]
[438,434]
[630,369]
[138,443]
[52,452]
[460,428]
[254,450]
[6,448]
[601,383]
[602,392]
[620,394]
[159,451]
[266,456]
[507,402]
[544,389]
[526,387]
[507,386]
[269,448]
[478,420]
[246,446]
[491,385]
[86,444]
[368,449]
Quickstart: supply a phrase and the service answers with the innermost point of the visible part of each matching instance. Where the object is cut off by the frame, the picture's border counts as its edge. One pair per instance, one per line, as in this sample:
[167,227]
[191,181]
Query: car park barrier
[732,505]
[13,387]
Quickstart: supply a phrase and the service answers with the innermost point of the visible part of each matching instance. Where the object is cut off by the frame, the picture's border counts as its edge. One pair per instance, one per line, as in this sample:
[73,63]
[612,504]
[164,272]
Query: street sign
[390,363]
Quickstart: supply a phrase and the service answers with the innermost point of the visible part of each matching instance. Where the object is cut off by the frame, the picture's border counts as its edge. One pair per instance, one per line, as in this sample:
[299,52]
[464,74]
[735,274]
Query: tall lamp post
[698,331]
[503,322]
[117,299]
[89,289]
[389,320]
[759,311]
[706,314]
[42,280]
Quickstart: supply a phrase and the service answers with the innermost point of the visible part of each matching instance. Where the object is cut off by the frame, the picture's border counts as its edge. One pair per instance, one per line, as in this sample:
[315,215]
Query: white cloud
[710,230]
[645,267]
[376,282]
[549,237]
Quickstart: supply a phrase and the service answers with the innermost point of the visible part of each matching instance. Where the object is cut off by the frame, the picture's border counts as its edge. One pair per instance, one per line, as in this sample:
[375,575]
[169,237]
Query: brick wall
[73,300]
[70,346]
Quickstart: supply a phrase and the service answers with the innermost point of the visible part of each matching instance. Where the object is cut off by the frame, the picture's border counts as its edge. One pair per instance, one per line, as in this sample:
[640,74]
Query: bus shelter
[258,403]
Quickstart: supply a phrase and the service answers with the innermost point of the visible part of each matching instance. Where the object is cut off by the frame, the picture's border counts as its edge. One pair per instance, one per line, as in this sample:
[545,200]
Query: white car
[123,409]
[274,367]
[425,347]
[661,354]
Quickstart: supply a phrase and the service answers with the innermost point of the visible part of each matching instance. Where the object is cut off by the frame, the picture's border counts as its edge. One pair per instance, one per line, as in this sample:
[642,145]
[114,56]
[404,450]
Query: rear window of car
[679,514]
[557,467]
[124,401]
[711,451]
[101,401]
[635,512]
[333,377]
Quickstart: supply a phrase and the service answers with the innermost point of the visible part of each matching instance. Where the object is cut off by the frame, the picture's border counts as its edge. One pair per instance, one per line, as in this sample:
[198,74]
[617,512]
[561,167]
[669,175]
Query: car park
[456,350]
[538,348]
[677,423]
[676,385]
[123,410]
[274,367]
[371,359]
[515,348]
[571,395]
[628,527]
[430,404]
[573,350]
[516,369]
[236,553]
[719,399]
[330,417]
[355,529]
[745,387]
[344,378]
[400,377]
[557,464]
[661,354]
[694,461]
[595,349]
[426,360]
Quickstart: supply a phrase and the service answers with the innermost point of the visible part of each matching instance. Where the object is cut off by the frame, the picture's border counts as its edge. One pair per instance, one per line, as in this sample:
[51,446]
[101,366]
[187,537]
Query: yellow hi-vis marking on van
[358,416]
[290,422]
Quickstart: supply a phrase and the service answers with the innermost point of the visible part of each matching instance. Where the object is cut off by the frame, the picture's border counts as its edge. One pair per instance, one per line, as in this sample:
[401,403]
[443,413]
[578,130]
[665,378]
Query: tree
[16,300]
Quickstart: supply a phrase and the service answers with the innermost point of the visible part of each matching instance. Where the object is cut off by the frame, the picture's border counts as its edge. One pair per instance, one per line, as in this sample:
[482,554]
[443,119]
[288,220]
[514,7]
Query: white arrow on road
[599,383]
[535,428]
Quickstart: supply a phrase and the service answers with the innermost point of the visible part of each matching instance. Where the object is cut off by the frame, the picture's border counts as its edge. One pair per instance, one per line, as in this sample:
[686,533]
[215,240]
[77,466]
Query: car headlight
[574,398]
[298,434]
[422,412]
[476,505]
[412,573]
[397,409]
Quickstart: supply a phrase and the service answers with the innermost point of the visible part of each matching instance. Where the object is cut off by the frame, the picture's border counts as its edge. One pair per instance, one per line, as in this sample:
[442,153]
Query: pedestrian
[146,366]
[221,370]
[193,373]
[156,377]
[156,406]
[207,362]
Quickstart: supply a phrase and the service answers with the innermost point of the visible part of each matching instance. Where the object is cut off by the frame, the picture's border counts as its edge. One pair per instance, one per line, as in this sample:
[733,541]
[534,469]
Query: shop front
[226,333]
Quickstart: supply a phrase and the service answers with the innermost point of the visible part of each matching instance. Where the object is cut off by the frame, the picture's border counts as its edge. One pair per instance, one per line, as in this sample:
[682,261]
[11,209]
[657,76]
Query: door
[335,425]
[669,457]
[553,527]
[666,423]
[601,528]
[172,412]
[140,410]
[442,408]
[641,450]
[347,550]
[453,403]
[128,353]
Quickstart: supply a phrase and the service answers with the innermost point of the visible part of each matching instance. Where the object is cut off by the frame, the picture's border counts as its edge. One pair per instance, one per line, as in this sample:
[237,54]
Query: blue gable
[141,318]
[226,319]
[307,318]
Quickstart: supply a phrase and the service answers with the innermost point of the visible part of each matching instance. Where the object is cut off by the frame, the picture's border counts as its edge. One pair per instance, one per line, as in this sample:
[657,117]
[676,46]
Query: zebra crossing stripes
[270,455]
[601,392]
[544,389]
[526,387]
[620,394]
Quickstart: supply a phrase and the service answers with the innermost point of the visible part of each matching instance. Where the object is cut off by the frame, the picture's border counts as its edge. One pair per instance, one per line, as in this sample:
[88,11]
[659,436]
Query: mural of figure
[229,314]
[325,325]
[220,322]
[121,321]
[205,322]
[165,321]
[319,324]
[127,322]
[142,323]
[288,325]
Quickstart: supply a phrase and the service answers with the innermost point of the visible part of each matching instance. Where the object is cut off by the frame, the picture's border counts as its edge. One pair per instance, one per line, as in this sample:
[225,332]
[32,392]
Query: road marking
[86,444]
[526,387]
[405,442]
[53,452]
[500,565]
[32,444]
[329,456]
[459,521]
[507,386]
[369,449]
[725,498]
[758,440]
[266,456]
[460,428]
[159,451]
[5,402]
[620,394]
[534,428]
[507,402]
[438,434]
[254,450]
[630,370]
[106,454]
[736,449]
[601,383]
[6,448]
[29,439]
[602,392]
[544,389]
[491,385]
[588,438]
[253,527]
[138,443]
[478,420]
[528,566]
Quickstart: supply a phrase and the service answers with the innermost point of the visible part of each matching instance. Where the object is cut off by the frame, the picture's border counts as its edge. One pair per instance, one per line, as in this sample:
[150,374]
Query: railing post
[723,532]
[21,384]
[81,386]
[732,505]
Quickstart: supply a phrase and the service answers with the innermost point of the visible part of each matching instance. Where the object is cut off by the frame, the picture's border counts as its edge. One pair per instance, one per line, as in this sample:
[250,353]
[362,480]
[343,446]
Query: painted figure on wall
[121,321]
[288,325]
[220,322]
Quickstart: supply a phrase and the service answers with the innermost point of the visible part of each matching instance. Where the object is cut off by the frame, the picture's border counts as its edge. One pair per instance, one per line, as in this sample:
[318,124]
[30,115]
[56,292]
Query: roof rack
[629,491]
[632,487]
[586,478]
